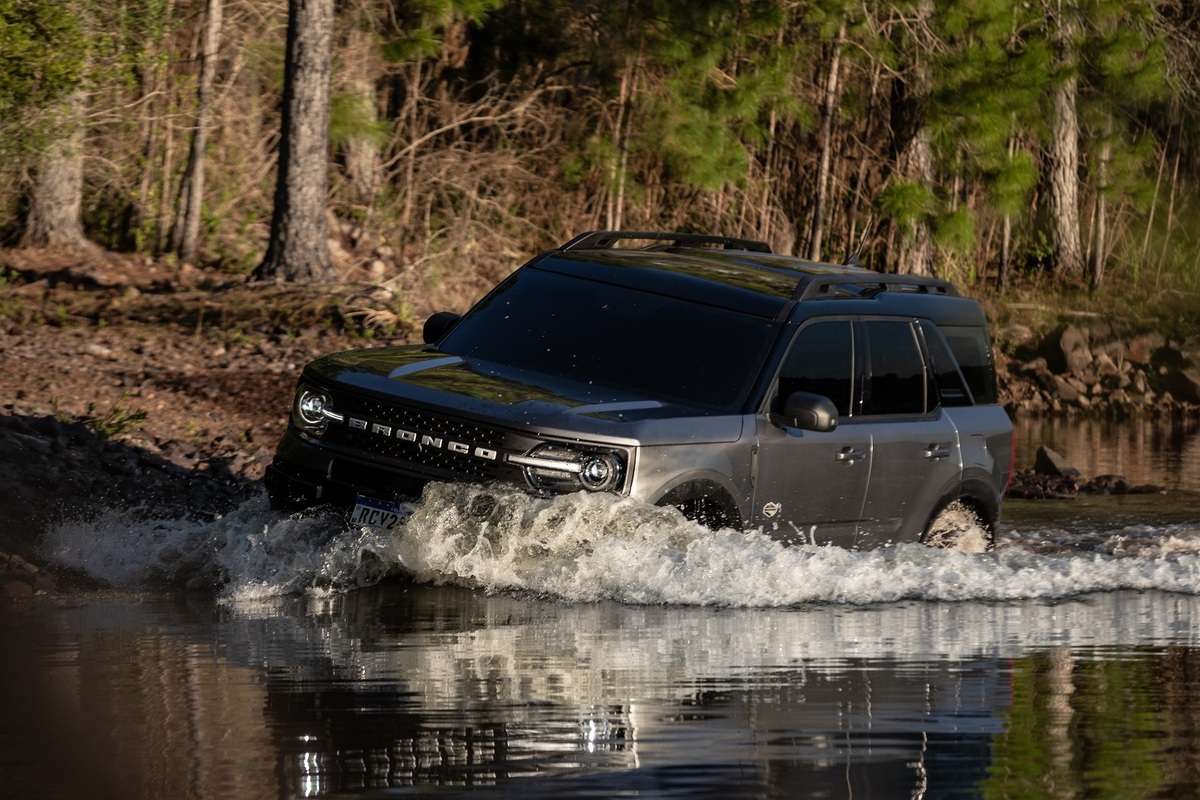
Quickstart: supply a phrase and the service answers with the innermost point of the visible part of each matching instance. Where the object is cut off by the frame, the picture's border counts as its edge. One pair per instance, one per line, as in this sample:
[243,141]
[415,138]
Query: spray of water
[583,548]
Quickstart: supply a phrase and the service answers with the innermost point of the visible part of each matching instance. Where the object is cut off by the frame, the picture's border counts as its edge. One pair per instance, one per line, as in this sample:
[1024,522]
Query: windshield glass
[659,347]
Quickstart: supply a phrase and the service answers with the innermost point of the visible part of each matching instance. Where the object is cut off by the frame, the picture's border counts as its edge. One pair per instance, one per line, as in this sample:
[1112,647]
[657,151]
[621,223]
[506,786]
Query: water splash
[584,548]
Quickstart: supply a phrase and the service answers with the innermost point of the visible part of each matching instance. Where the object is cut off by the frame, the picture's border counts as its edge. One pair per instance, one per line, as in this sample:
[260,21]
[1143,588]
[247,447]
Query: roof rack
[811,287]
[605,240]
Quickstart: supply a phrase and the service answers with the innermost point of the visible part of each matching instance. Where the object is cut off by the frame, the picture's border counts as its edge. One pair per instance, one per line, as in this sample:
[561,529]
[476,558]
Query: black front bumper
[305,475]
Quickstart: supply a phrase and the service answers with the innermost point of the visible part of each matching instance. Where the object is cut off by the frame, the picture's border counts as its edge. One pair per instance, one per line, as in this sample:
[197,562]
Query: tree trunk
[828,112]
[191,193]
[298,250]
[56,198]
[1100,237]
[914,253]
[1065,238]
[364,161]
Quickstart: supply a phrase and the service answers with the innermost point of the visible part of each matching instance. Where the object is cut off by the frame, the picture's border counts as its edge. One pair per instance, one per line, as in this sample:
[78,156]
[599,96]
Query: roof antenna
[853,259]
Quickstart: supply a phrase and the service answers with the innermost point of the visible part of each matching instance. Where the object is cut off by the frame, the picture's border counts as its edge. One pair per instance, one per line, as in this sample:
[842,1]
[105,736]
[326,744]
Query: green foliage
[115,422]
[43,53]
[1011,183]
[955,231]
[906,202]
[698,114]
[352,116]
[422,24]
[411,46]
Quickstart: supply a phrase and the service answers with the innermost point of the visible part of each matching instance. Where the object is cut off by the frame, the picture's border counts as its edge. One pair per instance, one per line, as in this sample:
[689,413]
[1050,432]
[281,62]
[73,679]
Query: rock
[1114,349]
[1185,384]
[1035,366]
[14,588]
[1075,349]
[1108,484]
[1049,462]
[1015,333]
[1064,390]
[1141,348]
[1105,365]
[99,351]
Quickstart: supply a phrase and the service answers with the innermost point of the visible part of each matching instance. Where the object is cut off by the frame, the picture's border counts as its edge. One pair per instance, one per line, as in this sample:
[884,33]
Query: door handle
[848,455]
[936,451]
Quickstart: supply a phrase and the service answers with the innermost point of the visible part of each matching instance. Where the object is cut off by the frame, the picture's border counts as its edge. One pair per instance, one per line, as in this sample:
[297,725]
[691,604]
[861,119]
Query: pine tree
[1123,74]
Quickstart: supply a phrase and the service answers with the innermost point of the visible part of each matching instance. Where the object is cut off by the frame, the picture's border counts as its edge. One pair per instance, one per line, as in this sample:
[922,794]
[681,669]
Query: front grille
[424,442]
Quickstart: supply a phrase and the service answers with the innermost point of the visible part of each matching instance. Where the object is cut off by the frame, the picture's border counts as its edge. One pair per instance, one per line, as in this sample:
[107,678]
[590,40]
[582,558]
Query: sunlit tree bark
[56,197]
[298,250]
[191,195]
[1065,237]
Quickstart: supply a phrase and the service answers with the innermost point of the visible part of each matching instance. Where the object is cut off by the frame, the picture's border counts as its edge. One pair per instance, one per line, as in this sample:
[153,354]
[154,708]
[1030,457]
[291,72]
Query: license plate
[371,513]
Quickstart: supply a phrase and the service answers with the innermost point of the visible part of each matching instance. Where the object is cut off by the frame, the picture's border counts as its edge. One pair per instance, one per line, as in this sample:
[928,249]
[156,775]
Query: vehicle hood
[501,395]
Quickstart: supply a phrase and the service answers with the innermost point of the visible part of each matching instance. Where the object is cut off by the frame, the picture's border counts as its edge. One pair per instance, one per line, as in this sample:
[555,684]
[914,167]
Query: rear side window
[896,380]
[951,384]
[973,352]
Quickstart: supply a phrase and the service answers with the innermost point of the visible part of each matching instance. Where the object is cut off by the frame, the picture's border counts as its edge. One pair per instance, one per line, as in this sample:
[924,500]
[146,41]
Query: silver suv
[819,403]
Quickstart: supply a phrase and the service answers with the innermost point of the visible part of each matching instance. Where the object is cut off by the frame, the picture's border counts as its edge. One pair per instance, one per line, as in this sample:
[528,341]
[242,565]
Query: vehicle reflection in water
[410,686]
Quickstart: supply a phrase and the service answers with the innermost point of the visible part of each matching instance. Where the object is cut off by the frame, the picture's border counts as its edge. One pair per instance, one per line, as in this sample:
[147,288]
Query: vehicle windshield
[659,347]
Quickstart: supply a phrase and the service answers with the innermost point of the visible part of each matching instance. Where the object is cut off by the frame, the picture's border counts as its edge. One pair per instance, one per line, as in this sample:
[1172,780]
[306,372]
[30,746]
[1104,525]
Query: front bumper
[303,475]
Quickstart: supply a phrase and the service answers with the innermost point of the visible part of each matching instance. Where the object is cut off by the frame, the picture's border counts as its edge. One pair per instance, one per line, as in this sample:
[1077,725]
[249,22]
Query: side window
[896,382]
[973,351]
[821,361]
[951,385]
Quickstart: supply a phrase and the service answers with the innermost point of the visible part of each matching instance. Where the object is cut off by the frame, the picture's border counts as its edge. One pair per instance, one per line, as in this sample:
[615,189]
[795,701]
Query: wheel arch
[975,494]
[704,500]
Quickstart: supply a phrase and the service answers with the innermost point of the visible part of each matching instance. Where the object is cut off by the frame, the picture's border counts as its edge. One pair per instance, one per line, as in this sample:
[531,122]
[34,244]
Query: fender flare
[705,501]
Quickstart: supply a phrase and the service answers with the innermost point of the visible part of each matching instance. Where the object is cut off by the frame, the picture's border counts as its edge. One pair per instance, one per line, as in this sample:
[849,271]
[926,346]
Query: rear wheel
[958,527]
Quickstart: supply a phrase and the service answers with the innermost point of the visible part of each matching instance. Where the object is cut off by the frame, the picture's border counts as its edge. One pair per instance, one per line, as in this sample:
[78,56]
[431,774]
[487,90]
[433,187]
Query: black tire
[958,527]
[704,503]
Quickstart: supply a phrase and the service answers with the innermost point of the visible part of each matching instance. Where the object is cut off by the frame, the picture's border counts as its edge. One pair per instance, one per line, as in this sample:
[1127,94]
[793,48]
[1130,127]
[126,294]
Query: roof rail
[811,287]
[605,240]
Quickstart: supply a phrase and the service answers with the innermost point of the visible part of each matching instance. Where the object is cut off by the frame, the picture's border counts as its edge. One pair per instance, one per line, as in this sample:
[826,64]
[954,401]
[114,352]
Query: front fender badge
[771,509]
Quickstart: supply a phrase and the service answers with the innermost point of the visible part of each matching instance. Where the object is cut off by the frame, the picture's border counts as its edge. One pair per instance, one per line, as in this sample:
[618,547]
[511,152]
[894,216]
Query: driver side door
[810,486]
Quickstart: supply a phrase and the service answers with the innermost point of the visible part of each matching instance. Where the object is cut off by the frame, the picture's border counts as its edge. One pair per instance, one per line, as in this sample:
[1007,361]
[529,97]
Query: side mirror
[438,325]
[809,412]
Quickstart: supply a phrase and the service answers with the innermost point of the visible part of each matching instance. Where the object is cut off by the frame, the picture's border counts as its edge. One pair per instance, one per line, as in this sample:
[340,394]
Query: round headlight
[310,410]
[599,472]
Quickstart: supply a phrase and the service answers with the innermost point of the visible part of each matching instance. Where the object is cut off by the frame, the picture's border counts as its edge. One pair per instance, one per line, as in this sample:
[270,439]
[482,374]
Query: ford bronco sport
[819,403]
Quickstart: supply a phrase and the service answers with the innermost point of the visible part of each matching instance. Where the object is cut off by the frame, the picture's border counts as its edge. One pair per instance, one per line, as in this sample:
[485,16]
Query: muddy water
[585,648]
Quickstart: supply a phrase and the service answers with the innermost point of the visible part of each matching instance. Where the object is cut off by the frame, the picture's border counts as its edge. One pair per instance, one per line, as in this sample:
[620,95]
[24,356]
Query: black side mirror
[809,412]
[438,325]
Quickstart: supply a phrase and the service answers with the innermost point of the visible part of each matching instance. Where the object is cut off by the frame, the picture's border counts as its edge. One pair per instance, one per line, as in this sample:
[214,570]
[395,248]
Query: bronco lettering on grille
[424,439]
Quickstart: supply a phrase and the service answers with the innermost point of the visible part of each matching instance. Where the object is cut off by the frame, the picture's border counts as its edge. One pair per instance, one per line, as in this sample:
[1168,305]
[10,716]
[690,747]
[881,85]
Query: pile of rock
[1099,369]
[21,579]
[1052,477]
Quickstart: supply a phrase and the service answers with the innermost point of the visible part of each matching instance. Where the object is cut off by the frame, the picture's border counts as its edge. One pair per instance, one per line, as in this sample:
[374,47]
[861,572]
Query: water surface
[590,647]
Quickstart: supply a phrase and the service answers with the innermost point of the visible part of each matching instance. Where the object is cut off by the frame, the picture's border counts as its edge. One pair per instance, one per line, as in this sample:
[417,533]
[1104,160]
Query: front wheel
[958,527]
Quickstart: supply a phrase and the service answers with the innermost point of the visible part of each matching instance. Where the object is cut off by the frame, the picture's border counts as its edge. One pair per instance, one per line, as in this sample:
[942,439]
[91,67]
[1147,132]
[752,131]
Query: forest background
[1017,148]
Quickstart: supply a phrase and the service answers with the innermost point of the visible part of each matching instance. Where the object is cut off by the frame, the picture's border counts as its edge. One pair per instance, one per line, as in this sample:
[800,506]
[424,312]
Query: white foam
[584,548]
